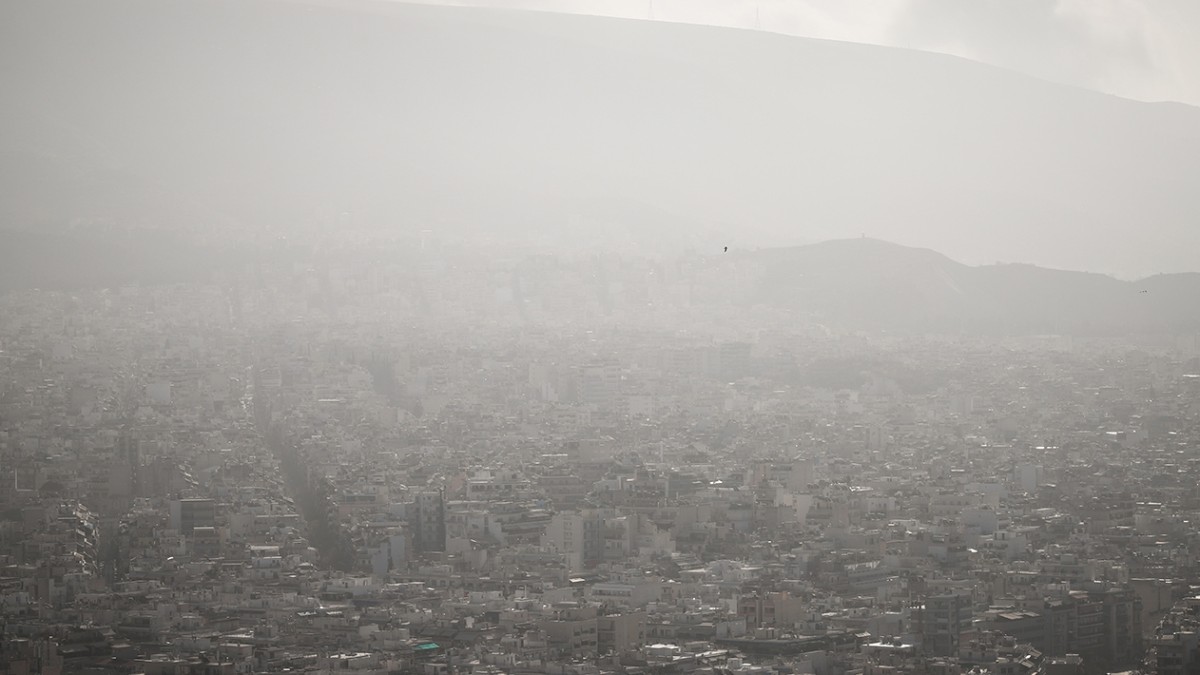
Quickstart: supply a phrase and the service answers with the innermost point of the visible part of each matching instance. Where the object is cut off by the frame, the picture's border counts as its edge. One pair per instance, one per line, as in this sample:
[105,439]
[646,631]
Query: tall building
[428,522]
[578,535]
[620,633]
[1122,622]
[1104,627]
[122,484]
[188,514]
[599,385]
[572,630]
[941,621]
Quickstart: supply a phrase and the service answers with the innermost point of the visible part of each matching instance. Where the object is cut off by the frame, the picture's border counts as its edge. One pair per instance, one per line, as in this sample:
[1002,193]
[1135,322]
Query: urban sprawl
[443,467]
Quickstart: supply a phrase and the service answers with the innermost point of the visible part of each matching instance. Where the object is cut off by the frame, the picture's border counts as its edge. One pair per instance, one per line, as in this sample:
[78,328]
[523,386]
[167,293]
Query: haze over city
[569,337]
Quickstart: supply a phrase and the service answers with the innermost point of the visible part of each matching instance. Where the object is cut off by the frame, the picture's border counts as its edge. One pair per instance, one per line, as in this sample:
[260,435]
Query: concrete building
[188,514]
[429,522]
[578,535]
[941,620]
[620,633]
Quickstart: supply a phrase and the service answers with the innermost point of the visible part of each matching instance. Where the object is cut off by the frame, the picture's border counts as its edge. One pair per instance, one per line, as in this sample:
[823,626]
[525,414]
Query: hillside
[277,114]
[869,284]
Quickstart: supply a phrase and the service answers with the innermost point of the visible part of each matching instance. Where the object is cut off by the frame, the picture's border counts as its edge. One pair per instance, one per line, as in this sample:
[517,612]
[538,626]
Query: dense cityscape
[599,337]
[397,468]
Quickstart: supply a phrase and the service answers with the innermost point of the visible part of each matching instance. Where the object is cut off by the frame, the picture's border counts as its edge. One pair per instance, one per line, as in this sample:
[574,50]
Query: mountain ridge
[868,283]
[853,284]
[266,114]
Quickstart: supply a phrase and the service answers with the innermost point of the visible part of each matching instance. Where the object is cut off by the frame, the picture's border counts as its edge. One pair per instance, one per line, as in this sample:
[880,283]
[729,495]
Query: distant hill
[267,113]
[870,284]
[853,284]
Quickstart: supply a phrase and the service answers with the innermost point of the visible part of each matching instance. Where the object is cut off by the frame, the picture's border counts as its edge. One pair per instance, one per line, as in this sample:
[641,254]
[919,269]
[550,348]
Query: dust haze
[623,338]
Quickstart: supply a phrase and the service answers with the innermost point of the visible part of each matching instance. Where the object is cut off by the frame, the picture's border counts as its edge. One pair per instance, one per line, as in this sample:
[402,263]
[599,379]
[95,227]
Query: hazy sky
[1141,49]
